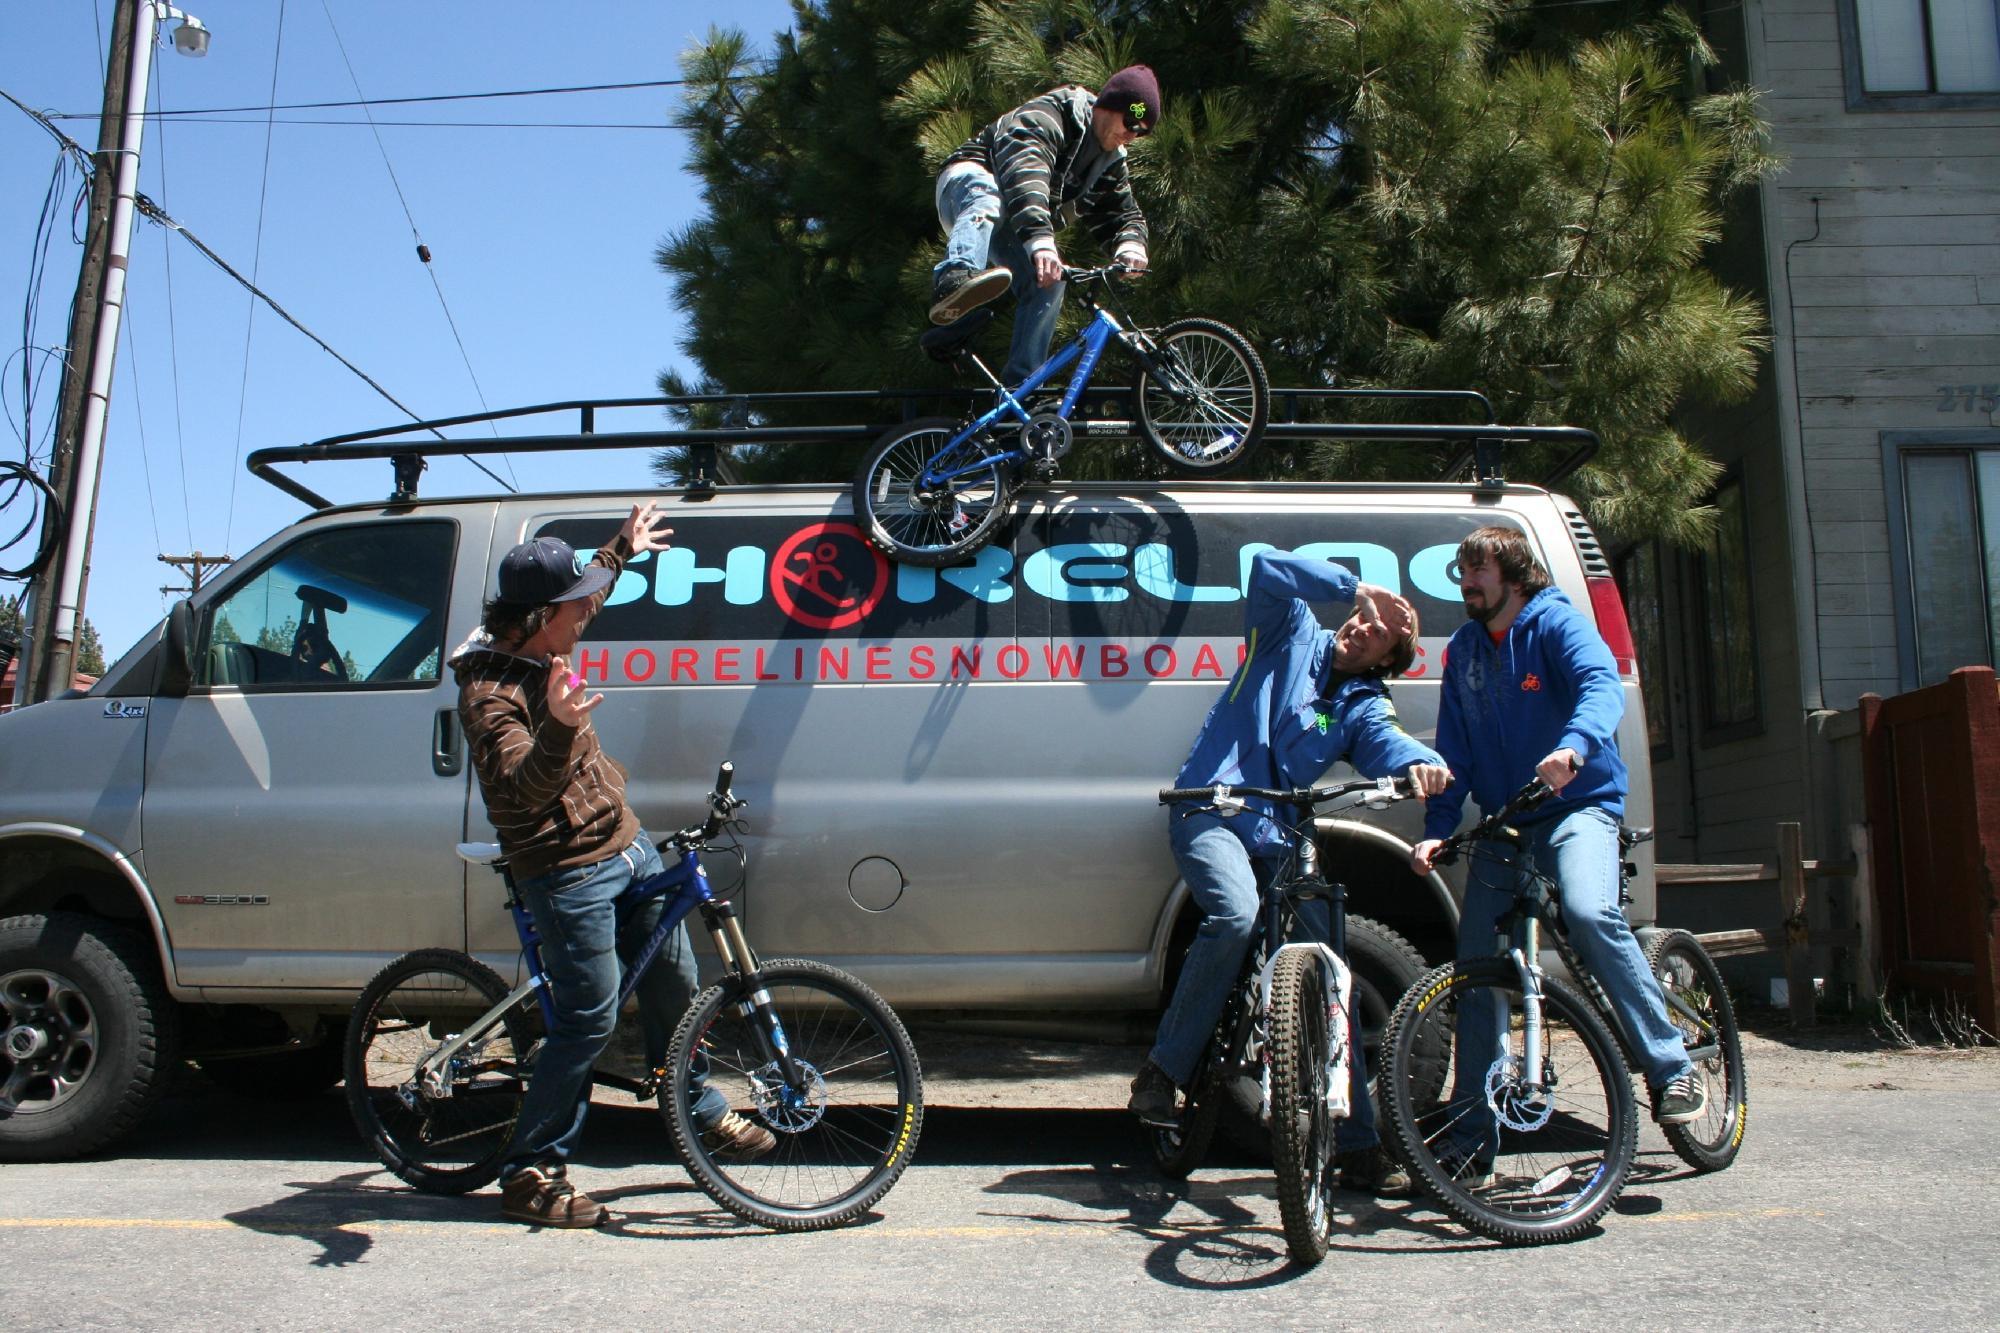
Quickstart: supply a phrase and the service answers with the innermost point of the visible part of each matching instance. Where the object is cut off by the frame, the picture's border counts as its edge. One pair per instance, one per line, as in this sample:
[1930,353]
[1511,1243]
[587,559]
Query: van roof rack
[1479,447]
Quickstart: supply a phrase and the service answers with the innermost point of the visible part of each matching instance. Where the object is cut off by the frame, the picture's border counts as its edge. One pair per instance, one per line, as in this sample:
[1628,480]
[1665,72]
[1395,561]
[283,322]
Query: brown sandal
[542,1196]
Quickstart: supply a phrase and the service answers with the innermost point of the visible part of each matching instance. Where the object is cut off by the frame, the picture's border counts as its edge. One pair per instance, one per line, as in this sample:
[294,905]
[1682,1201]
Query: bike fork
[1527,962]
[755,1004]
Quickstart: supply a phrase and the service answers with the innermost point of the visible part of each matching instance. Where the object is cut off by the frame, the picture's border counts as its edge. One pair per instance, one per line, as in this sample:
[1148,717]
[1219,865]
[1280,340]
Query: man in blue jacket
[1530,690]
[1305,697]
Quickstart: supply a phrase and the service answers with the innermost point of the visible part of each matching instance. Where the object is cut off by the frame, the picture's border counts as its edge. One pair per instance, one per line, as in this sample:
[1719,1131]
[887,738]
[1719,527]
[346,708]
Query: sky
[541,240]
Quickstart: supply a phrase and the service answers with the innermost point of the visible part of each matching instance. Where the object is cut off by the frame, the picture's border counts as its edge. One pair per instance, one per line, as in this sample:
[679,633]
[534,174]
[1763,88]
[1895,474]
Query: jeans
[587,937]
[1228,888]
[968,204]
[1580,853]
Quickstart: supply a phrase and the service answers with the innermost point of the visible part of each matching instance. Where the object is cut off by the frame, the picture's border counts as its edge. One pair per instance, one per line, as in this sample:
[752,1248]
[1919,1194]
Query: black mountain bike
[1558,1099]
[1286,1036]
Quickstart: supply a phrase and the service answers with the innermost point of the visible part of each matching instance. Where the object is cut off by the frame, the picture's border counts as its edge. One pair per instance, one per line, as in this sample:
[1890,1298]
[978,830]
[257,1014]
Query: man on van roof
[1305,697]
[1005,191]
[572,844]
[1530,690]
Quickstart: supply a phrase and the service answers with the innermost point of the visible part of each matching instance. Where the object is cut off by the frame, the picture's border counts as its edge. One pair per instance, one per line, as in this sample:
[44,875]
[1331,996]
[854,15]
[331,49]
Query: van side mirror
[176,671]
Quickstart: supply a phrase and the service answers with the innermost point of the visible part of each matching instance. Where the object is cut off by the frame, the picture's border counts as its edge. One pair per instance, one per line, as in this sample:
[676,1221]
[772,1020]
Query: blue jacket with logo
[1503,708]
[1286,717]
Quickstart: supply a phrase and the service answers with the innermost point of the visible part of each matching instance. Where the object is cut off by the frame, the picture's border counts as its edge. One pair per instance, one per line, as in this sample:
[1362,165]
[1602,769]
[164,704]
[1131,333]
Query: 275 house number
[1968,397]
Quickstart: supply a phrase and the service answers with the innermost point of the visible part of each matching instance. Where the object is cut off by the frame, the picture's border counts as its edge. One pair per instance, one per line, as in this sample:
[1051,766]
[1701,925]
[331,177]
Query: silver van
[951,772]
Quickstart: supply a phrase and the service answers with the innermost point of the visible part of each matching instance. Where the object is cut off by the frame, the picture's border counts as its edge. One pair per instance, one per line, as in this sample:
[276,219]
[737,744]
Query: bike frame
[687,879]
[1085,350]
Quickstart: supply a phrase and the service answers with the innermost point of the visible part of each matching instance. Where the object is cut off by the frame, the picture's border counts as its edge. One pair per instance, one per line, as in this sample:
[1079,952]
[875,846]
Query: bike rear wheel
[1203,403]
[845,1130]
[1523,1164]
[1708,1028]
[1302,1126]
[451,1137]
[919,523]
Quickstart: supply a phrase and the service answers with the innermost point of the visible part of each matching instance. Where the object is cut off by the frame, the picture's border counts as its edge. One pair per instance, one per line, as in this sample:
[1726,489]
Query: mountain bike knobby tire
[918,525]
[1302,1127]
[844,1140]
[449,1144]
[1535,1185]
[1683,967]
[1205,412]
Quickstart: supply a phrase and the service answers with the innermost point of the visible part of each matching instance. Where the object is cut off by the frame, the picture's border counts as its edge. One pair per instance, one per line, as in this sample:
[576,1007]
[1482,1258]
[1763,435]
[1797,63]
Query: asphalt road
[1867,1195]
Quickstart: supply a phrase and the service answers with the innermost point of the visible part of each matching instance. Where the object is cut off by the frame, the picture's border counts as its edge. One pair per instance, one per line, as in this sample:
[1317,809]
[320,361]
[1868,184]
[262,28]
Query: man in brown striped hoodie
[1005,192]
[573,845]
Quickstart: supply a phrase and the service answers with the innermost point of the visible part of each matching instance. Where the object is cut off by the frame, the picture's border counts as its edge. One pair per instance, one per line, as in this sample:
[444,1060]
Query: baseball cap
[1135,91]
[548,569]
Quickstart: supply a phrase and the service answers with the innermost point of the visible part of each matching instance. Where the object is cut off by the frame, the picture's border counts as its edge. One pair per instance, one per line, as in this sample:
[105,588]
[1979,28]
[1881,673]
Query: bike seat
[947,342]
[479,853]
[1628,838]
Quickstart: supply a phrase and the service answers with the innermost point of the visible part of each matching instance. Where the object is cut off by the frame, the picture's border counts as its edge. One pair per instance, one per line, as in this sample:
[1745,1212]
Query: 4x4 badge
[116,709]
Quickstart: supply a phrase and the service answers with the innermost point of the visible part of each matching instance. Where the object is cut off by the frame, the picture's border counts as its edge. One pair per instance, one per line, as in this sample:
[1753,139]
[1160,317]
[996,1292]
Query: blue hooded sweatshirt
[1503,708]
[1288,715]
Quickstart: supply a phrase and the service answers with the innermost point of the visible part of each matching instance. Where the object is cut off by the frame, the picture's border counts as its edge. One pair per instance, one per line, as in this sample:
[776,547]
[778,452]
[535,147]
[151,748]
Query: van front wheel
[87,1034]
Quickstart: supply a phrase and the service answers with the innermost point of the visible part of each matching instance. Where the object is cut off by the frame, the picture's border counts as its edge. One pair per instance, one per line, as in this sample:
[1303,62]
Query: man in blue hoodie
[1530,690]
[1305,697]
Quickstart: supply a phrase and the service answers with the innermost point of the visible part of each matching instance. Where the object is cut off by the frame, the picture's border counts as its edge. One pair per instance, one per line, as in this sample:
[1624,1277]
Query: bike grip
[723,777]
[1169,795]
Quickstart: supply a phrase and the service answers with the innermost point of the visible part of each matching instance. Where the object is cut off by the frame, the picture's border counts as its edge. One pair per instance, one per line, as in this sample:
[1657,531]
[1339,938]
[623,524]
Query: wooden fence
[1792,871]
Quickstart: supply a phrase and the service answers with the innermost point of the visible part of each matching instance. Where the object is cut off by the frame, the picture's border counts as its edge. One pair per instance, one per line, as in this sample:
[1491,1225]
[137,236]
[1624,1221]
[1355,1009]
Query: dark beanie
[1135,92]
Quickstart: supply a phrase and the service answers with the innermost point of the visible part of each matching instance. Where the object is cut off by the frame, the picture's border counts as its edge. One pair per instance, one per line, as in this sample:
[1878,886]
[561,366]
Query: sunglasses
[1138,128]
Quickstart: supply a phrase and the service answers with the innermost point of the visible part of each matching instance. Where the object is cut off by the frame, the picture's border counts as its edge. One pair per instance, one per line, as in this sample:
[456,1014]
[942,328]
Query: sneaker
[959,291]
[542,1196]
[736,1138]
[1153,1096]
[1466,1169]
[1683,1099]
[1372,1171]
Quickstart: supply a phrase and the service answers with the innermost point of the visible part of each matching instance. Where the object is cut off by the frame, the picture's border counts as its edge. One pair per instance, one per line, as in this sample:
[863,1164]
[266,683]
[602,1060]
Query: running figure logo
[827,576]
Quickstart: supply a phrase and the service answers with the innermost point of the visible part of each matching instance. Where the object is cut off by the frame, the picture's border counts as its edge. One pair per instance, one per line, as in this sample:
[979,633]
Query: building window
[1638,572]
[1729,648]
[1951,548]
[1899,50]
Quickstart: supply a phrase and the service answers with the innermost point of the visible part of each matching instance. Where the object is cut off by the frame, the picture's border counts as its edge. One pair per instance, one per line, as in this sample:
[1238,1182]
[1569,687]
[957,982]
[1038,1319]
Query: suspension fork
[1526,957]
[754,1002]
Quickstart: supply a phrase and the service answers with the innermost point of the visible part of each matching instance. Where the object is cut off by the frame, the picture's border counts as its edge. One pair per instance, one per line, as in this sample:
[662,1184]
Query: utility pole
[197,565]
[57,593]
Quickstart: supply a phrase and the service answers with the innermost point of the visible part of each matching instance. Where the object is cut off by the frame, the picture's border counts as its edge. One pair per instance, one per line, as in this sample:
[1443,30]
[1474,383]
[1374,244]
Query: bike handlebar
[1531,795]
[1227,795]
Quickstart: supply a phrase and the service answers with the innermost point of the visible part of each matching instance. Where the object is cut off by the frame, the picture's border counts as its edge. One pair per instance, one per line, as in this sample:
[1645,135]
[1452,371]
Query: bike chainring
[1517,1105]
[1045,439]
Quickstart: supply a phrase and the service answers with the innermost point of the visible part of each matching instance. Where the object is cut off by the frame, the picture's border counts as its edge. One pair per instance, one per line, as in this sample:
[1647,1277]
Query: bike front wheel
[925,501]
[447,1133]
[1698,1005]
[1524,1156]
[845,1115]
[1202,397]
[1302,1124]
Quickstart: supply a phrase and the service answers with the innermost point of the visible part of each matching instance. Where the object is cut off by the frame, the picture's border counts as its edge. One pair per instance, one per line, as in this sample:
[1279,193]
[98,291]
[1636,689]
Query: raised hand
[643,530]
[567,704]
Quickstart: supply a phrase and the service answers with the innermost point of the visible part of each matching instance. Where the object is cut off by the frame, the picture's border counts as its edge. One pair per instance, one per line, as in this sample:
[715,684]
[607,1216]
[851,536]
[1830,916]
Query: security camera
[191,38]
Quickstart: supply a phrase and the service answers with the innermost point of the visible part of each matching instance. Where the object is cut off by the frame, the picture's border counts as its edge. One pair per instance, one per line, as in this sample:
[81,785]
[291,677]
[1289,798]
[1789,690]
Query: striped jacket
[556,799]
[1050,168]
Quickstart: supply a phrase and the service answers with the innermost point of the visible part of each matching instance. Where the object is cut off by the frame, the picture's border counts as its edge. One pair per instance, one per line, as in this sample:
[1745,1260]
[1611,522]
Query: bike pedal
[1160,1122]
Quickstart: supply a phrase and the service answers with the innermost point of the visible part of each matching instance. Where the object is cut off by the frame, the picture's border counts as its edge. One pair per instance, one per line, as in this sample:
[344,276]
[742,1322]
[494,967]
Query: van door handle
[447,744]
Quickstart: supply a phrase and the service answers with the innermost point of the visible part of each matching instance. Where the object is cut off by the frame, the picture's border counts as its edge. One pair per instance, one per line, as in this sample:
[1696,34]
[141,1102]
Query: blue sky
[541,238]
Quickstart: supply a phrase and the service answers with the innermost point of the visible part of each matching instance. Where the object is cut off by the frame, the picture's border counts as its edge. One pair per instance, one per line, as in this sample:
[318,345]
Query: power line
[256,265]
[444,124]
[395,101]
[423,251]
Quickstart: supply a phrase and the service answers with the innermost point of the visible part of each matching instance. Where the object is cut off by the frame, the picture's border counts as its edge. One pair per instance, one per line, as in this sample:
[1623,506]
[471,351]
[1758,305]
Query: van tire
[1384,965]
[90,1035]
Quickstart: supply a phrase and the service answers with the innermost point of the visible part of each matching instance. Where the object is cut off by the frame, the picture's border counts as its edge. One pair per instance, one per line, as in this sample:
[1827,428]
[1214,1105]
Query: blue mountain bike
[932,492]
[439,1053]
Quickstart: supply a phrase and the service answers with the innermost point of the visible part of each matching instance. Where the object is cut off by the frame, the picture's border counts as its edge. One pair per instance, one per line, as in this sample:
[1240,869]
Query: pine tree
[1408,193]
